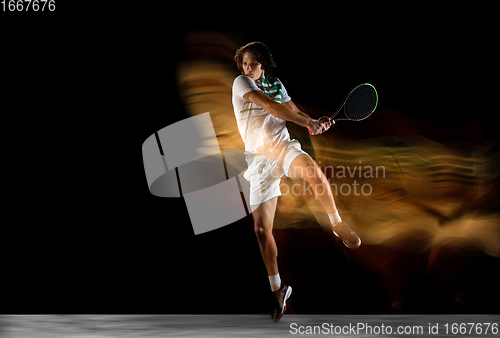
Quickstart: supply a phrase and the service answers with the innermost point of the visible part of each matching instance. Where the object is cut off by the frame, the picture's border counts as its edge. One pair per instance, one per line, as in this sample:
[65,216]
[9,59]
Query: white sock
[335,218]
[275,282]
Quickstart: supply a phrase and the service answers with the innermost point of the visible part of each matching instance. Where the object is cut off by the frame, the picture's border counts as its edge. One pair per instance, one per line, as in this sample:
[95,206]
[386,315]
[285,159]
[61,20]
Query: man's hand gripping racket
[360,103]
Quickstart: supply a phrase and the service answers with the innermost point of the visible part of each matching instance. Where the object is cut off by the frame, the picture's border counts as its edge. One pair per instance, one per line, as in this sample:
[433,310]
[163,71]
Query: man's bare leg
[263,215]
[304,167]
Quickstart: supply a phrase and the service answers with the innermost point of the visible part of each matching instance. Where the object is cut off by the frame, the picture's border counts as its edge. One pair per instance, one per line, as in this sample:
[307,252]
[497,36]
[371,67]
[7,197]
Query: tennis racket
[358,104]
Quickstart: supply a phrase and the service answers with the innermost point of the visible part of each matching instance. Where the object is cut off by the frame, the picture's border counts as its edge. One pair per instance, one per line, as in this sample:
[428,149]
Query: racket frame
[345,100]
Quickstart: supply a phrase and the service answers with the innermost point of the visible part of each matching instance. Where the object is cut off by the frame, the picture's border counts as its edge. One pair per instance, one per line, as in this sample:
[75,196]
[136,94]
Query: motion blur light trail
[428,189]
[436,202]
[442,193]
[205,79]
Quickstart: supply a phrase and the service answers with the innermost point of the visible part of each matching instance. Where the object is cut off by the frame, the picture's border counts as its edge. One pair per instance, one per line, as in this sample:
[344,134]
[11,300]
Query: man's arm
[277,109]
[287,111]
[291,106]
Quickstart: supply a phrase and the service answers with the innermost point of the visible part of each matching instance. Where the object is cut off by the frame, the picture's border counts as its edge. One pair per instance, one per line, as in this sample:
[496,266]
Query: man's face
[252,67]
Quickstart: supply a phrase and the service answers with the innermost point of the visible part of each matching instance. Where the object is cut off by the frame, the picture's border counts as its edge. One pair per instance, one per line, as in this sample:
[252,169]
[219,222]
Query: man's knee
[261,232]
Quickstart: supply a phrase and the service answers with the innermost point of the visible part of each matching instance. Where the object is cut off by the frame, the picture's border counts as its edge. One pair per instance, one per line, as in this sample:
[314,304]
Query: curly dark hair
[261,52]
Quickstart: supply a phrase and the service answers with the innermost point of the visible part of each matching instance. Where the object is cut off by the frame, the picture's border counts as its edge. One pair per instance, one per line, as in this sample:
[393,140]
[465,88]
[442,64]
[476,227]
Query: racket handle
[310,132]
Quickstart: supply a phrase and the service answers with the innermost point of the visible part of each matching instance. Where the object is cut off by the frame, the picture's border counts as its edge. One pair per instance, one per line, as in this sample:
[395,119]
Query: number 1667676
[28,5]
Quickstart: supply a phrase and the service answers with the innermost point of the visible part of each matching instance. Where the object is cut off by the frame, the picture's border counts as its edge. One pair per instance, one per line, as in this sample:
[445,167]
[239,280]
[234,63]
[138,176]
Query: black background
[86,86]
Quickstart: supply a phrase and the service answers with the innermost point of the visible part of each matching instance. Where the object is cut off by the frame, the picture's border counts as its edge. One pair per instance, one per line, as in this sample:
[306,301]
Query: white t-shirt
[262,132]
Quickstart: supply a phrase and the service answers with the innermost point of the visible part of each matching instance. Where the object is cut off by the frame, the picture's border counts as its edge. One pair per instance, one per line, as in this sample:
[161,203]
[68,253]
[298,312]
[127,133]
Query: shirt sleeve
[284,94]
[243,84]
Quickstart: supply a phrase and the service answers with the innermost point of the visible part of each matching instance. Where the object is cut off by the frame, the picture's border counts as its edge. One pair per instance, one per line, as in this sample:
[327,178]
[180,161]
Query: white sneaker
[347,235]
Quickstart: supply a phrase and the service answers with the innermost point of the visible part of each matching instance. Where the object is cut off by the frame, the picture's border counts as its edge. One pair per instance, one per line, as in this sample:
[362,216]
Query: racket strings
[361,102]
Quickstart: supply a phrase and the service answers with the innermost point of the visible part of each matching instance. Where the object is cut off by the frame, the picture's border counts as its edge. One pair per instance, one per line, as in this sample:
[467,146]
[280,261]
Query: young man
[262,107]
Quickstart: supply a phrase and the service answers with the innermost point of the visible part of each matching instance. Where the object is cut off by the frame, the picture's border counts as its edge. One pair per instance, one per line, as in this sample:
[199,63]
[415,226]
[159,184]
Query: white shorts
[264,172]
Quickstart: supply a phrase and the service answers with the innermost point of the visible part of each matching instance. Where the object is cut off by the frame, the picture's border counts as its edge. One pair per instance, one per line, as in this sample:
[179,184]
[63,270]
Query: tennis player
[262,107]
